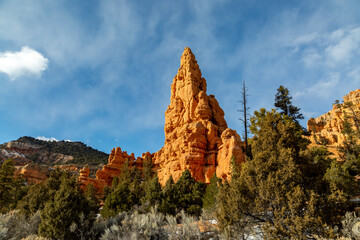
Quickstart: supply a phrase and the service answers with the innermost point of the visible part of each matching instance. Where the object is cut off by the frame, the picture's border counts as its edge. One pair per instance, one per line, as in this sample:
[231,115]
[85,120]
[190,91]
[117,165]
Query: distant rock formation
[327,128]
[196,135]
[34,174]
[105,176]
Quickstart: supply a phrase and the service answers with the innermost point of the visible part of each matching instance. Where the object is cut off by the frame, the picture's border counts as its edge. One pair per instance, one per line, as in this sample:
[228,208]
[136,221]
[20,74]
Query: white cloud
[346,47]
[27,61]
[307,38]
[43,138]
[323,88]
[337,47]
[311,57]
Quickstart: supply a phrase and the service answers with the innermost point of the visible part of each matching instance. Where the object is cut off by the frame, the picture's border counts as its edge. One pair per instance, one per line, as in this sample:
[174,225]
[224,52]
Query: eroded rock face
[196,133]
[327,128]
[105,176]
[33,173]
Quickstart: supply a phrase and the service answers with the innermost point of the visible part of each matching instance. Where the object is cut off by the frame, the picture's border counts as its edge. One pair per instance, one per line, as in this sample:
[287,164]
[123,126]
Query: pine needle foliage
[126,192]
[211,192]
[188,194]
[284,104]
[67,209]
[39,194]
[153,195]
[12,188]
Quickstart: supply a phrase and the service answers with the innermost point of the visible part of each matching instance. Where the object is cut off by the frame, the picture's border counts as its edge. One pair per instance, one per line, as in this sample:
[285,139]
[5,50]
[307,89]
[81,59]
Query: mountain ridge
[26,150]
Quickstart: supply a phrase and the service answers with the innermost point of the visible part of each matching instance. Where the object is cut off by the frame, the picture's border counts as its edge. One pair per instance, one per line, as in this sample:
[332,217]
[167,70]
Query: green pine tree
[39,194]
[169,201]
[211,192]
[12,188]
[135,187]
[126,194]
[119,200]
[125,173]
[67,212]
[153,194]
[90,195]
[189,194]
[148,172]
[284,105]
[273,188]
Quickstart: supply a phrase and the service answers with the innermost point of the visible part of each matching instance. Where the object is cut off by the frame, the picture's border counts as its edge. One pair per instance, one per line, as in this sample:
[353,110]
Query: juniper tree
[11,187]
[270,190]
[126,194]
[39,194]
[148,172]
[119,200]
[90,195]
[68,210]
[168,203]
[153,194]
[211,192]
[186,194]
[189,194]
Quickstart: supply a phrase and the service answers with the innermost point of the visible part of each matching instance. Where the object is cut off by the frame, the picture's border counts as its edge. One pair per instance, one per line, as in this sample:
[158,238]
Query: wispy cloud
[26,61]
[345,46]
[323,88]
[332,56]
[329,48]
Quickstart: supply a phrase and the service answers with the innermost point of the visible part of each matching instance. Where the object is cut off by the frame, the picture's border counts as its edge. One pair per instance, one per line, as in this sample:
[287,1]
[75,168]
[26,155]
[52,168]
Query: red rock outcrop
[327,128]
[33,173]
[72,168]
[196,135]
[105,175]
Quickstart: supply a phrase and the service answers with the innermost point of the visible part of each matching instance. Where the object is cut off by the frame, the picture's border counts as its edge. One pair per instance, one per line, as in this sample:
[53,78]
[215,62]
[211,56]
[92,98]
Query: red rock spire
[194,123]
[196,135]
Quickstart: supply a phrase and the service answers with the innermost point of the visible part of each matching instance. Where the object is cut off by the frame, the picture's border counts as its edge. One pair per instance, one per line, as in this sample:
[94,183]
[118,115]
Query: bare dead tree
[245,116]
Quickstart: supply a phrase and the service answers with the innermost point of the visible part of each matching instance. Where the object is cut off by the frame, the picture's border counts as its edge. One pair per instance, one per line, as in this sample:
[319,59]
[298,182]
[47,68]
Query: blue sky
[100,71]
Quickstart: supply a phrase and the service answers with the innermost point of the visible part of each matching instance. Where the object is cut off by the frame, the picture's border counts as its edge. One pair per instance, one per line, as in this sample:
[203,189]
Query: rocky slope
[196,135]
[327,128]
[34,159]
[27,150]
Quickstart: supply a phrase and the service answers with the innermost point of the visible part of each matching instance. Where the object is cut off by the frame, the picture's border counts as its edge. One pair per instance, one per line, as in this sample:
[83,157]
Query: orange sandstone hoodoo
[196,135]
